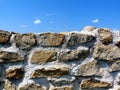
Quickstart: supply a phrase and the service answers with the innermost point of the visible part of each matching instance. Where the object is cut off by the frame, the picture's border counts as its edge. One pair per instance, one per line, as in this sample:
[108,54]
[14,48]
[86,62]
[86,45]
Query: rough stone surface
[115,66]
[88,69]
[41,57]
[51,39]
[105,35]
[117,43]
[73,55]
[62,80]
[89,28]
[10,57]
[25,41]
[93,83]
[52,71]
[60,61]
[9,86]
[4,36]
[32,86]
[14,73]
[62,88]
[106,52]
[78,38]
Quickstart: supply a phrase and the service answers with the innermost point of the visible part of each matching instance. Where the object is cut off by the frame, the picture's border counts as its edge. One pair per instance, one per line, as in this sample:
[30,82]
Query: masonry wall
[86,60]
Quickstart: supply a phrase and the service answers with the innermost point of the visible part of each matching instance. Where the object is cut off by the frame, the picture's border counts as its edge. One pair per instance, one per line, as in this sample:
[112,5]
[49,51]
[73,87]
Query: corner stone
[51,39]
[93,83]
[4,36]
[25,41]
[41,57]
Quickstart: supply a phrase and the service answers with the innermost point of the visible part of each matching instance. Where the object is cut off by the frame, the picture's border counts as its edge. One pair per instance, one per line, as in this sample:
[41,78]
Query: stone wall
[86,60]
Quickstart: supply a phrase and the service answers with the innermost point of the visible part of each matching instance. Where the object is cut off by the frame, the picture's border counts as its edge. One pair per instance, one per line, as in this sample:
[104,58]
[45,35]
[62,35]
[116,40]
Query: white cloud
[95,21]
[37,21]
[23,26]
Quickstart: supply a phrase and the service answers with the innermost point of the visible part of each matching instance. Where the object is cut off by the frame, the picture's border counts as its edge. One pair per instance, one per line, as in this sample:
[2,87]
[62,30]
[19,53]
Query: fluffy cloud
[95,21]
[37,21]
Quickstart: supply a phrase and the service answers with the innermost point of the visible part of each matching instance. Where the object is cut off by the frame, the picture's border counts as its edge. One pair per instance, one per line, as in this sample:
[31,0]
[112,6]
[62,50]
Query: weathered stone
[62,80]
[10,57]
[106,52]
[105,35]
[89,28]
[62,88]
[25,41]
[51,39]
[9,85]
[41,57]
[117,43]
[73,55]
[115,66]
[55,70]
[88,69]
[14,73]
[32,86]
[93,83]
[77,38]
[4,36]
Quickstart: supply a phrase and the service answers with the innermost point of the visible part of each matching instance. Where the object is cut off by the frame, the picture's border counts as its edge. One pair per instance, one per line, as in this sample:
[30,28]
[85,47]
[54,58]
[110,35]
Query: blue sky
[58,15]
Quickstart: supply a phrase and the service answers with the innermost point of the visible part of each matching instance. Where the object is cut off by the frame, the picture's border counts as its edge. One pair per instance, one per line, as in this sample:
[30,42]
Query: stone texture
[88,69]
[93,83]
[9,86]
[105,35]
[117,43]
[62,88]
[32,86]
[73,55]
[41,57]
[115,66]
[4,36]
[106,52]
[14,73]
[10,57]
[78,38]
[56,70]
[51,39]
[62,80]
[25,41]
[89,28]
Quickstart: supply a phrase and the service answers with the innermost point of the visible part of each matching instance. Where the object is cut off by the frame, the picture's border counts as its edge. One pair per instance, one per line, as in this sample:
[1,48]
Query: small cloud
[37,21]
[51,22]
[95,21]
[23,26]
